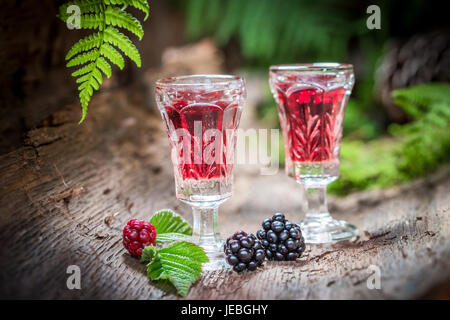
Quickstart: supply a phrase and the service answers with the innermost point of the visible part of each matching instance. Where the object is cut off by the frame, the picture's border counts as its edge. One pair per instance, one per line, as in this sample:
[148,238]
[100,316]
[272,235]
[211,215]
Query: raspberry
[244,252]
[137,235]
[281,239]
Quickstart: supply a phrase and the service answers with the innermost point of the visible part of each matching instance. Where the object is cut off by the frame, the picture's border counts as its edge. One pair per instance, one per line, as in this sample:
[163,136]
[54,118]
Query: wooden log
[67,193]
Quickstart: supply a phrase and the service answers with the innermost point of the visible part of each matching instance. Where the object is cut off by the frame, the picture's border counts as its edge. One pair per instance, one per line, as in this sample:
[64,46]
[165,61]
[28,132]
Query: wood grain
[66,194]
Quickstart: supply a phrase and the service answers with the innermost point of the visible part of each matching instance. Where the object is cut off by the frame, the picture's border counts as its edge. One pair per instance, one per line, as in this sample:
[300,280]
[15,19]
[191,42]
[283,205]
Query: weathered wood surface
[66,194]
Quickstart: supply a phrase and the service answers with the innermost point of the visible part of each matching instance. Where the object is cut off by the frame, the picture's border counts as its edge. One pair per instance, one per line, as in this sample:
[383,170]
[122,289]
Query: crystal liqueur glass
[202,114]
[311,100]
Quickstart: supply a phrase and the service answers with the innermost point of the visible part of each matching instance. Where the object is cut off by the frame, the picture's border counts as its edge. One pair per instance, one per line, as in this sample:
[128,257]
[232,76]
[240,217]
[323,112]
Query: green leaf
[104,66]
[85,6]
[415,149]
[138,4]
[113,55]
[90,52]
[97,75]
[117,17]
[113,36]
[170,226]
[93,21]
[85,44]
[83,58]
[141,5]
[180,263]
[148,254]
[171,236]
[279,40]
[87,68]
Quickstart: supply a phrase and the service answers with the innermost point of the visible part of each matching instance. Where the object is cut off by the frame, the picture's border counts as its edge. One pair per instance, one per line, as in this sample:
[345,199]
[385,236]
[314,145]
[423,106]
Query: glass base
[206,233]
[215,263]
[321,231]
[214,252]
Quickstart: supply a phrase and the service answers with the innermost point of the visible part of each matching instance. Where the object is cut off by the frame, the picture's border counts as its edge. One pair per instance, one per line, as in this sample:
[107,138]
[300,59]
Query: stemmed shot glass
[311,100]
[202,114]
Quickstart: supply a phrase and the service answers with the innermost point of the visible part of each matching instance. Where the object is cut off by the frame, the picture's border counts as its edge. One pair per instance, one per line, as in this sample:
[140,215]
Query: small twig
[60,174]
[68,194]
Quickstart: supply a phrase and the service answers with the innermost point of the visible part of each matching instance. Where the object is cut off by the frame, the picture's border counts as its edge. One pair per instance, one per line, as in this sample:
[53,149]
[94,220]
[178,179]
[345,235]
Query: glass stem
[317,203]
[206,228]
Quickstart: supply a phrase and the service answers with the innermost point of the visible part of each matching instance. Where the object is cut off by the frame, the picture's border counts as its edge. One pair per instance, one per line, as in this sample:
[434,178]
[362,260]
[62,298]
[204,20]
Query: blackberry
[281,239]
[244,252]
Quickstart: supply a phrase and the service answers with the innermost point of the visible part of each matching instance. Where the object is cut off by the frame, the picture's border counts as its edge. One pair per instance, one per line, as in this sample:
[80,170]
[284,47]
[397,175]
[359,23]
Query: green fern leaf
[83,85]
[83,58]
[93,21]
[279,40]
[85,98]
[417,100]
[104,66]
[117,17]
[90,52]
[86,6]
[113,55]
[90,82]
[83,70]
[86,77]
[85,44]
[113,36]
[141,5]
[97,75]
[86,93]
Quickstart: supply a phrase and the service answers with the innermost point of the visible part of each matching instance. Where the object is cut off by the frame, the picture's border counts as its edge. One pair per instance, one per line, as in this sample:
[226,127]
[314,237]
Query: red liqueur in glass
[312,121]
[201,114]
[311,101]
[311,109]
[199,134]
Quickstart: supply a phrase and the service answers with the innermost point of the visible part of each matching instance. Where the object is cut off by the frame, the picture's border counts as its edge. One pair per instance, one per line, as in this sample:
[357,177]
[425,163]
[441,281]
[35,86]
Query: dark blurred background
[397,121]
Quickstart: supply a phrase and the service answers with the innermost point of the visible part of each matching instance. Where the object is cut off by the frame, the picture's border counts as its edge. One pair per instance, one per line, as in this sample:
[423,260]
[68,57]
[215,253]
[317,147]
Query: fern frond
[279,40]
[89,83]
[113,36]
[85,97]
[104,66]
[427,135]
[417,100]
[141,5]
[85,44]
[83,85]
[113,55]
[83,70]
[97,75]
[93,21]
[83,58]
[87,78]
[91,53]
[86,6]
[117,17]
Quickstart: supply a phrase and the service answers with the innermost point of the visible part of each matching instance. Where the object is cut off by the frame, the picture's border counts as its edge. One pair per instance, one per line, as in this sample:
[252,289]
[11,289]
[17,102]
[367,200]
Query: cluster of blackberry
[244,251]
[281,239]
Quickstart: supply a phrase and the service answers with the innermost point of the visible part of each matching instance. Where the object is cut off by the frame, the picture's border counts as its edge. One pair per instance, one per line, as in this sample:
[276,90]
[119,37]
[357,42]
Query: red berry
[144,236]
[137,235]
